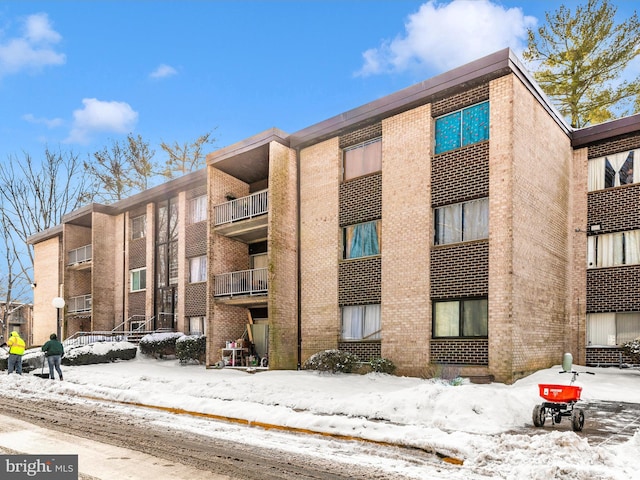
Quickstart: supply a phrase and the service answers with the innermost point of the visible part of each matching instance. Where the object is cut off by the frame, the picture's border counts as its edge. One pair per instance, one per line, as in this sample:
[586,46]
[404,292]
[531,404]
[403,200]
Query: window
[138,227]
[138,279]
[198,209]
[198,269]
[196,326]
[464,127]
[612,328]
[361,240]
[462,222]
[612,170]
[362,159]
[460,318]
[361,322]
[612,249]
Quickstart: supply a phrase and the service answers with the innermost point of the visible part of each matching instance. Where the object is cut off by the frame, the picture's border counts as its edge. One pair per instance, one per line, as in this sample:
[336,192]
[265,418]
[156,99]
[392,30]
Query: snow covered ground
[487,427]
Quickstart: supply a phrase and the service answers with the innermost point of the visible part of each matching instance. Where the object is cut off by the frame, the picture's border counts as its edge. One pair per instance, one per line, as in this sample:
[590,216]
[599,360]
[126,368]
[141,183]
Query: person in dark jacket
[53,350]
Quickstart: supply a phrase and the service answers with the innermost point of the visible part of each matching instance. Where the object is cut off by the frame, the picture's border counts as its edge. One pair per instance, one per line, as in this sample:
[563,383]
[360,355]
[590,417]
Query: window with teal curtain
[362,240]
[448,132]
[464,127]
[475,124]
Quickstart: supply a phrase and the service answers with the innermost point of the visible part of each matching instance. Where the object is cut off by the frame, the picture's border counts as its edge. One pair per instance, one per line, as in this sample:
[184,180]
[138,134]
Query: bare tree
[140,158]
[34,195]
[121,169]
[15,292]
[186,157]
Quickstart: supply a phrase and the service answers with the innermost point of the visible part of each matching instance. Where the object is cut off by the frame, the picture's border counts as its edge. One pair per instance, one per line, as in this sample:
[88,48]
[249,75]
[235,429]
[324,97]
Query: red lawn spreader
[560,400]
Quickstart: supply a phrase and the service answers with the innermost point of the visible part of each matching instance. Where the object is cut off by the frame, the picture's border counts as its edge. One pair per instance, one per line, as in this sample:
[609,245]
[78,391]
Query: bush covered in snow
[32,359]
[191,348]
[382,365]
[633,350]
[160,345]
[333,361]
[100,352]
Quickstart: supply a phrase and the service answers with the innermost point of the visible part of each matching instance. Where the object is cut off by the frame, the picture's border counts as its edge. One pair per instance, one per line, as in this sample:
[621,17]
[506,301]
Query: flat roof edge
[487,68]
[606,130]
[45,235]
[256,141]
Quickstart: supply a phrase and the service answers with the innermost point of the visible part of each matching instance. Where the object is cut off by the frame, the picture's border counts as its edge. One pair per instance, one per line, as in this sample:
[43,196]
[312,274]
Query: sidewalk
[97,461]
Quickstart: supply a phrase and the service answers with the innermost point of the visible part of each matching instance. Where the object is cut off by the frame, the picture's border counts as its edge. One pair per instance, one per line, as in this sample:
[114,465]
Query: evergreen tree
[580,58]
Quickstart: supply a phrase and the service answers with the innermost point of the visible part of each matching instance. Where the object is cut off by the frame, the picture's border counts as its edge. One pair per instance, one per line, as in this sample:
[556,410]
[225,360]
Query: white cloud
[33,49]
[49,122]
[447,35]
[98,116]
[163,71]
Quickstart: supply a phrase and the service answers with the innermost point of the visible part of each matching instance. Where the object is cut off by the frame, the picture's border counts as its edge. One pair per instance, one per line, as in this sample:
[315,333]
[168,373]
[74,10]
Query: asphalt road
[605,422]
[112,445]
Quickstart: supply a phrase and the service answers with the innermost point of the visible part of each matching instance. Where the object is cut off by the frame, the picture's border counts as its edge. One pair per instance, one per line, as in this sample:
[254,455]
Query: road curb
[271,426]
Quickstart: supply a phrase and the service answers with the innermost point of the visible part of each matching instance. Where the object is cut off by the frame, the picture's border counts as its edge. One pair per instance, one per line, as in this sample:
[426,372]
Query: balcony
[244,218]
[80,304]
[80,258]
[242,287]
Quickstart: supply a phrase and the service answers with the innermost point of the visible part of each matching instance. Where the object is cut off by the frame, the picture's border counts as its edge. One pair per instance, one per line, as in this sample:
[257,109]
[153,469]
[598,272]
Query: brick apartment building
[460,221]
[16,316]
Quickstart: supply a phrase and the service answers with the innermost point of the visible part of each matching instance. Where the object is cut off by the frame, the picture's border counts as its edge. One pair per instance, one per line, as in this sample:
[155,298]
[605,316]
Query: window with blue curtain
[362,240]
[464,127]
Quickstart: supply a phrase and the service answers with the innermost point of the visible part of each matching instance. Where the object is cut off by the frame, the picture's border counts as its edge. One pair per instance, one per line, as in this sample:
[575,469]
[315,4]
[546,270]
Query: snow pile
[488,427]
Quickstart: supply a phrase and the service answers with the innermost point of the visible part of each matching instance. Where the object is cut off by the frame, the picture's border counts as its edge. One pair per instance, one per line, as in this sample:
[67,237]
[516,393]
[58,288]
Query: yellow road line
[271,426]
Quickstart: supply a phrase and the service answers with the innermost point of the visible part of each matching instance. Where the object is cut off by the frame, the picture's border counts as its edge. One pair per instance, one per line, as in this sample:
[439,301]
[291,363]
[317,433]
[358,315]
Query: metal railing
[79,304]
[137,329]
[135,323]
[244,282]
[80,255]
[241,208]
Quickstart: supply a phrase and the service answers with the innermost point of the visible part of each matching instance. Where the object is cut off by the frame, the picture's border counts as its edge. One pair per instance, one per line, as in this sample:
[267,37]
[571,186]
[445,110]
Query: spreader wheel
[539,415]
[577,419]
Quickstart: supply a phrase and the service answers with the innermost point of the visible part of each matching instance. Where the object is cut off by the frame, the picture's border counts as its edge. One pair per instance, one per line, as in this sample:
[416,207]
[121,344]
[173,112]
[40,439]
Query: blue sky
[77,75]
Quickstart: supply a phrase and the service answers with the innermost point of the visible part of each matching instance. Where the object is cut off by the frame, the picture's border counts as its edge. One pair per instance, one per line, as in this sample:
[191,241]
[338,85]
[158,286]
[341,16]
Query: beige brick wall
[224,255]
[406,238]
[576,335]
[319,246]
[103,272]
[183,265]
[76,282]
[152,214]
[46,267]
[118,249]
[530,166]
[282,257]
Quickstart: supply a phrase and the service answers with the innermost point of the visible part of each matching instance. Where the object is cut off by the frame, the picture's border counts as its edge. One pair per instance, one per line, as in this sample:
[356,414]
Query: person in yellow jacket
[16,350]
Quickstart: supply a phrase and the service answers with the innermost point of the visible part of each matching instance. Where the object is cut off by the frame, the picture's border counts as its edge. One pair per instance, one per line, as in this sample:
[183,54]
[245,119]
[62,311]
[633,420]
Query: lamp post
[58,303]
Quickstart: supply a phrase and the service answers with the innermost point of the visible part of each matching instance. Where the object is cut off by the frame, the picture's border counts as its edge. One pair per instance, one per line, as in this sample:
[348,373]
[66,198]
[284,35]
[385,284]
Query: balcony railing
[244,282]
[80,255]
[242,208]
[80,304]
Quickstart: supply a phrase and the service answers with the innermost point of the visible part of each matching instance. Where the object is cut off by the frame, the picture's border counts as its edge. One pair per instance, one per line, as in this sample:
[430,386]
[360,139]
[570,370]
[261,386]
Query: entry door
[166,308]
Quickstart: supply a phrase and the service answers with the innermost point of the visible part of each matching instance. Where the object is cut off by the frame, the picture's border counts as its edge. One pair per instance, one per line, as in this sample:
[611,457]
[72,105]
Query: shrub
[449,374]
[632,349]
[332,361]
[191,348]
[102,352]
[382,365]
[160,345]
[31,360]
